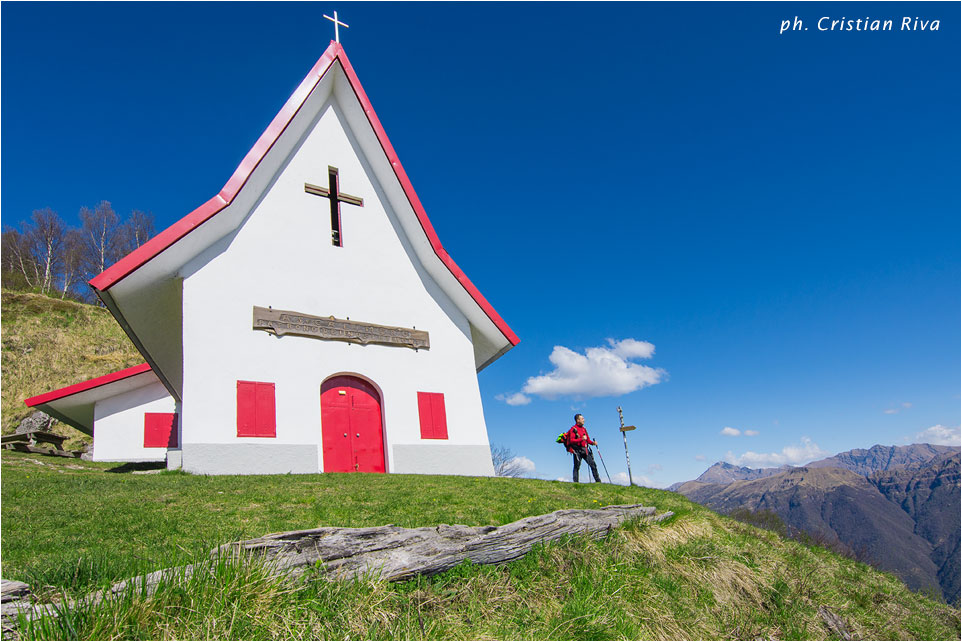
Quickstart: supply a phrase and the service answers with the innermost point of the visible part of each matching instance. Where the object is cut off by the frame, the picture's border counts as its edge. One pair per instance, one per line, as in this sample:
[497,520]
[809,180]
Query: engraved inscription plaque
[281,322]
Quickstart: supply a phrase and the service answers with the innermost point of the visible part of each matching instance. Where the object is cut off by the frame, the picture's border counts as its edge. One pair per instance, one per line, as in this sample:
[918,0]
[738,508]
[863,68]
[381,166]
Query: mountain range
[897,507]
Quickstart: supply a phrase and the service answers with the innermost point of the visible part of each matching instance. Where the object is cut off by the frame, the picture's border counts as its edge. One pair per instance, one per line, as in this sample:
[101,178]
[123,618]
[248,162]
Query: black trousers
[584,453]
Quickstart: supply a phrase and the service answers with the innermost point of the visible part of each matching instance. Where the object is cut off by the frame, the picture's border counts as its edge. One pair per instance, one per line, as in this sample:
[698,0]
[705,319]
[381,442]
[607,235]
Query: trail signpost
[624,430]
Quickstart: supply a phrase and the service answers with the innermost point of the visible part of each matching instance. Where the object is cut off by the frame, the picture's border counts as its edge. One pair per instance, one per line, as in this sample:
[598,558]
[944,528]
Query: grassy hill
[73,526]
[49,343]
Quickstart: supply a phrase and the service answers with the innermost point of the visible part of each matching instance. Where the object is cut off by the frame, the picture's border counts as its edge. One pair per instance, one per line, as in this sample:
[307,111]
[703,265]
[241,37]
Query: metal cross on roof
[337,36]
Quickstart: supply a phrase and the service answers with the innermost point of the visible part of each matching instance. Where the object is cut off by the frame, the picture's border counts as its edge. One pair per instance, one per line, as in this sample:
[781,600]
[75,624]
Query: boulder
[37,421]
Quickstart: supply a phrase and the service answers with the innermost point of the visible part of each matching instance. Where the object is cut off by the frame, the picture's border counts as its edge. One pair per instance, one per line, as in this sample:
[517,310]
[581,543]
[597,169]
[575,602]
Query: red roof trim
[84,386]
[418,208]
[181,228]
[130,263]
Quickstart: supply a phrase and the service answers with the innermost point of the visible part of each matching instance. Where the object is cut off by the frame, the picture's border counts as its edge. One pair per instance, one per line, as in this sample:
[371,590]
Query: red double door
[351,428]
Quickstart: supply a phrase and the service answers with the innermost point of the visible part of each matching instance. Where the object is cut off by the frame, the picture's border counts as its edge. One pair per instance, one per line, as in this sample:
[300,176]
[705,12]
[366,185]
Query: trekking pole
[625,429]
[602,462]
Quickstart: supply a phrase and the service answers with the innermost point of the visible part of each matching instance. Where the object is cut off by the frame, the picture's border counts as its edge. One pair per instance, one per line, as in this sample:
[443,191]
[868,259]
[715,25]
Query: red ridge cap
[181,228]
[87,385]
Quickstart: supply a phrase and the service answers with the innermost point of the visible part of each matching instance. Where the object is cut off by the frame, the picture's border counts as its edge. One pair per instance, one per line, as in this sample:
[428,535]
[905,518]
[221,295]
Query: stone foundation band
[281,322]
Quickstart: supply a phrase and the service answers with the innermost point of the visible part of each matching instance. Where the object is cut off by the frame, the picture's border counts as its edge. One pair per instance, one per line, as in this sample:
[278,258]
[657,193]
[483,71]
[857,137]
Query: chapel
[305,319]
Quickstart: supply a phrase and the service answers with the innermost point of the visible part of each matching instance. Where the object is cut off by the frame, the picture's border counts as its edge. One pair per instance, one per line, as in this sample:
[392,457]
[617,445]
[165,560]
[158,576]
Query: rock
[37,421]
[835,624]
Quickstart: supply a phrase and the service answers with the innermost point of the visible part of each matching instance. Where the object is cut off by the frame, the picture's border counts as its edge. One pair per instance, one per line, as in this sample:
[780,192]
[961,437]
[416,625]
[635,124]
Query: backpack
[563,439]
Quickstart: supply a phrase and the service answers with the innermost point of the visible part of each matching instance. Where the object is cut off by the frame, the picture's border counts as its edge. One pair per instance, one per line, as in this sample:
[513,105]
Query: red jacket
[578,436]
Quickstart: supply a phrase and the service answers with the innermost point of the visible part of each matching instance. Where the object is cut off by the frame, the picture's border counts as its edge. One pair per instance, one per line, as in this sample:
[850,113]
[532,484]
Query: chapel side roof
[73,404]
[167,238]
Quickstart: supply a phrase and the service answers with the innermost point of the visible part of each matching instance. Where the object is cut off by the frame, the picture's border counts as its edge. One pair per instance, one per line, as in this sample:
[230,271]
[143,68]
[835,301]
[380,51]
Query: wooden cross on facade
[337,36]
[336,197]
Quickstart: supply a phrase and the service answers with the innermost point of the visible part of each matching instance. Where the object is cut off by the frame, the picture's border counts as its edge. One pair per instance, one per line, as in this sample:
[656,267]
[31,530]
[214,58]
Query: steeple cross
[336,197]
[337,36]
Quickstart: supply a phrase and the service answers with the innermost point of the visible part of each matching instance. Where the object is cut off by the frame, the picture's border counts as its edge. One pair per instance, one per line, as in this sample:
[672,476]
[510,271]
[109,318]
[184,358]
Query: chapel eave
[74,404]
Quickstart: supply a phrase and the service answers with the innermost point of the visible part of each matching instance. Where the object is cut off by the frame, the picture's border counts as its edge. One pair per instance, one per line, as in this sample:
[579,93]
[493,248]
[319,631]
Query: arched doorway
[351,431]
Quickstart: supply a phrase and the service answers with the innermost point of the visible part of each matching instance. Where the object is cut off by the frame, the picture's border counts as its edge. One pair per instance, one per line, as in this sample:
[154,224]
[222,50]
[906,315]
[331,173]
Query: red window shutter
[424,412]
[160,430]
[255,409]
[245,409]
[434,422]
[264,410]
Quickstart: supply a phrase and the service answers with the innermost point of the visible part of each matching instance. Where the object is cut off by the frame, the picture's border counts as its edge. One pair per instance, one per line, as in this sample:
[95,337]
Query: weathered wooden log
[388,552]
[394,553]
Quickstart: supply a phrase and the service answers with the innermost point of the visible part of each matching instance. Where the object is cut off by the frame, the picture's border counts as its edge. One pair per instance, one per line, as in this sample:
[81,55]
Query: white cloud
[517,399]
[640,480]
[599,372]
[728,431]
[654,468]
[895,411]
[940,435]
[751,433]
[699,458]
[794,455]
[632,349]
[525,465]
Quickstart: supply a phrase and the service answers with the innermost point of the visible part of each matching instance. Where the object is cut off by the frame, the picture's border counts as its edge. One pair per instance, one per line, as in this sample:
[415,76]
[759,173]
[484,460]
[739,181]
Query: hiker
[577,440]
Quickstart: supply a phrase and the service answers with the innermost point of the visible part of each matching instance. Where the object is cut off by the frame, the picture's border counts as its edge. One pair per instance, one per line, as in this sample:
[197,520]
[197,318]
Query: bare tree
[33,252]
[102,237]
[138,229]
[45,234]
[506,464]
[72,261]
[19,268]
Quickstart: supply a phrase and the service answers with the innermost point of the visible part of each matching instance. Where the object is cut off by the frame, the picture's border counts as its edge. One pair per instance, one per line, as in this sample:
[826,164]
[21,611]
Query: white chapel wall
[119,424]
[283,257]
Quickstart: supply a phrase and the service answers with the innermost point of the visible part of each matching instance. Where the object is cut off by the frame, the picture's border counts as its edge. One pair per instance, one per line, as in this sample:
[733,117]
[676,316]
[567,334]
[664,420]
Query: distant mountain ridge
[929,493]
[895,505]
[880,458]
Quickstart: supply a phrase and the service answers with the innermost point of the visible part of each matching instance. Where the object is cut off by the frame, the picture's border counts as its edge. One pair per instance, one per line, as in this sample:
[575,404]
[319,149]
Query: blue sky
[773,219]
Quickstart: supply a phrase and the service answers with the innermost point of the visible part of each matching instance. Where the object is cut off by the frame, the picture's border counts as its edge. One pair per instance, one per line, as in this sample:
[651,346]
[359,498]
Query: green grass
[61,510]
[48,344]
[697,576]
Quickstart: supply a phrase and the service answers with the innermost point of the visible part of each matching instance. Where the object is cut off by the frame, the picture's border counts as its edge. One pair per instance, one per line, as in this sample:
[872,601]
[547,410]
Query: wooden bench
[34,438]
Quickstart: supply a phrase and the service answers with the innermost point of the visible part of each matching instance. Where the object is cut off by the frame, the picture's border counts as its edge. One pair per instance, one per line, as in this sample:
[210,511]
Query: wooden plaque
[626,428]
[281,322]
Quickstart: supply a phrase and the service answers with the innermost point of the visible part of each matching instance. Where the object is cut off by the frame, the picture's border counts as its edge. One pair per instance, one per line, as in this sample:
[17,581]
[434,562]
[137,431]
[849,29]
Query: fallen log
[393,553]
[388,552]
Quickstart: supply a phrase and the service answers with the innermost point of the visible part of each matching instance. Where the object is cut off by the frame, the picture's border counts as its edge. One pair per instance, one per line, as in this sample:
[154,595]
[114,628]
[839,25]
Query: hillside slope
[49,343]
[903,516]
[838,505]
[696,576]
